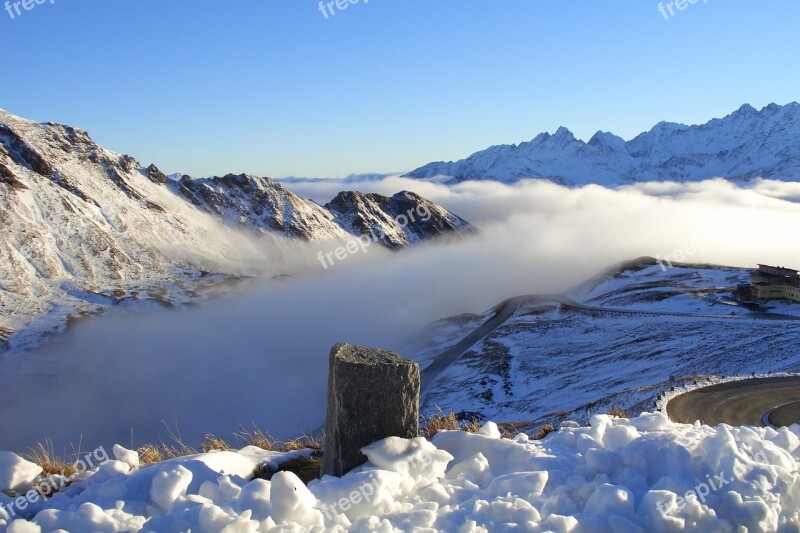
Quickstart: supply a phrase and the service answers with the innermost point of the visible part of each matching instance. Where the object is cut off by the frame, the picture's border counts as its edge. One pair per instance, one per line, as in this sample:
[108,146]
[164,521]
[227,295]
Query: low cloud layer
[260,354]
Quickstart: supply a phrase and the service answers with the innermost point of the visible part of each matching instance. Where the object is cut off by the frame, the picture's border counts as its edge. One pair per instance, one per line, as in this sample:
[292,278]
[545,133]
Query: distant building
[775,283]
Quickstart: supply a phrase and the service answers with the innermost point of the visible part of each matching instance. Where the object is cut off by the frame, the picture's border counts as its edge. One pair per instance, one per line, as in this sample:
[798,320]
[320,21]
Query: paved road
[785,415]
[507,309]
[740,403]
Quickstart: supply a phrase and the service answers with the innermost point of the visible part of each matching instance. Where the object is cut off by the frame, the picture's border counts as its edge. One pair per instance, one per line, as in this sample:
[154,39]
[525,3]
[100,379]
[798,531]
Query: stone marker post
[372,394]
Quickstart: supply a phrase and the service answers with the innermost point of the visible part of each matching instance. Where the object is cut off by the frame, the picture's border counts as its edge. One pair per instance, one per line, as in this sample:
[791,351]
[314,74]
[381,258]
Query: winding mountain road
[508,308]
[751,402]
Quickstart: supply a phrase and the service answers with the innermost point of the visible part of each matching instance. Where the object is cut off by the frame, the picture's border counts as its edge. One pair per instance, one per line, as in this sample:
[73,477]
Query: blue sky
[272,87]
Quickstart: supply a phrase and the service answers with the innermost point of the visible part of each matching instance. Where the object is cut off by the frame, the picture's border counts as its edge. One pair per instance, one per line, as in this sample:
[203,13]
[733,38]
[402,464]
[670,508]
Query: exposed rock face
[155,175]
[18,149]
[8,177]
[403,218]
[372,394]
[265,204]
[258,203]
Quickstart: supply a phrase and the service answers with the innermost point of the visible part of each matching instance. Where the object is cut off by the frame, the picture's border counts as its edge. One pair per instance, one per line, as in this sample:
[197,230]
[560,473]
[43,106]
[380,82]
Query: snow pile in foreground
[644,474]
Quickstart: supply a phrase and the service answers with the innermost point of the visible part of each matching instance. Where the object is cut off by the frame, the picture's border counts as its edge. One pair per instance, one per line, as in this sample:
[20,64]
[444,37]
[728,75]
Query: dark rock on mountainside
[397,220]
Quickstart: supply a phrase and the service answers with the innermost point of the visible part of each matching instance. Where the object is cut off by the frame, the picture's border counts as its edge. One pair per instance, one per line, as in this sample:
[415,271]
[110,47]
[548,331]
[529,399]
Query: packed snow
[616,475]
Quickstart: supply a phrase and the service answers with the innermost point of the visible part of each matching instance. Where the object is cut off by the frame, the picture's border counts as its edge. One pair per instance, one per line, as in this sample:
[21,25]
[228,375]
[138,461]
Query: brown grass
[259,439]
[305,468]
[617,412]
[43,455]
[156,453]
[433,424]
[543,431]
[212,442]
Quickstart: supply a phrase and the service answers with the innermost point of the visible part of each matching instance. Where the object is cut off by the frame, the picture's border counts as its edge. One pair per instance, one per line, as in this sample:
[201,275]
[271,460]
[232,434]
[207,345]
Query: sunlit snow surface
[549,361]
[616,475]
[744,145]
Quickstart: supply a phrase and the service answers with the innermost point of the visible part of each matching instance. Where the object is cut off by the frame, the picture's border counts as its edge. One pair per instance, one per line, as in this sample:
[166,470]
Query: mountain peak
[741,146]
[395,220]
[563,133]
[601,138]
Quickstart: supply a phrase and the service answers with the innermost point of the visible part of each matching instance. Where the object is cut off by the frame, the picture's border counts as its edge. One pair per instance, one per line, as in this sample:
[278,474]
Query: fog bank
[259,355]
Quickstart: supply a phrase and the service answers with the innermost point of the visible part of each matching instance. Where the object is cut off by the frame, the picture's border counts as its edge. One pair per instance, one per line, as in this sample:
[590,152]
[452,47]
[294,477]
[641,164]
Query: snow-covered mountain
[403,218]
[746,144]
[258,203]
[265,205]
[82,227]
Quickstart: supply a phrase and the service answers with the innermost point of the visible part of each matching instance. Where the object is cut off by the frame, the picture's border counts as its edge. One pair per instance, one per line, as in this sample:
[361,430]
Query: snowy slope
[744,145]
[259,203]
[83,228]
[640,326]
[77,219]
[617,475]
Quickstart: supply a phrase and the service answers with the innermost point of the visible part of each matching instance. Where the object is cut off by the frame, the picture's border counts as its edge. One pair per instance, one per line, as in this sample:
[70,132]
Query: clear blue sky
[273,88]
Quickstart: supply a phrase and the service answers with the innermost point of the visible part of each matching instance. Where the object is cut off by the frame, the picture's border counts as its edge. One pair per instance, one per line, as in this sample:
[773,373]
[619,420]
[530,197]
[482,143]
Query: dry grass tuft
[305,468]
[213,443]
[544,431]
[256,437]
[433,424]
[43,455]
[156,453]
[617,412]
[259,439]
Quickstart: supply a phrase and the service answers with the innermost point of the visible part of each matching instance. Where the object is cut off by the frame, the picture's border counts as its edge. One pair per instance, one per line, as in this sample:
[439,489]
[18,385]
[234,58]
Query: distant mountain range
[81,225]
[745,145]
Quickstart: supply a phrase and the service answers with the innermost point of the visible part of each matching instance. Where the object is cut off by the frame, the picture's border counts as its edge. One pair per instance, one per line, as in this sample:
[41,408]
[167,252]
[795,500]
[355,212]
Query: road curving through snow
[749,402]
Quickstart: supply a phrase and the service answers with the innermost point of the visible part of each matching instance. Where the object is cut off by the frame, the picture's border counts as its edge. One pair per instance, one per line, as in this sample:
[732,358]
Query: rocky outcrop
[372,395]
[396,221]
[21,152]
[155,175]
[260,204]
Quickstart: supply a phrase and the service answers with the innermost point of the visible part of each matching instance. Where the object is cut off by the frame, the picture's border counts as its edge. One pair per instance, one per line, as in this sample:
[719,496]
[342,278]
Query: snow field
[617,475]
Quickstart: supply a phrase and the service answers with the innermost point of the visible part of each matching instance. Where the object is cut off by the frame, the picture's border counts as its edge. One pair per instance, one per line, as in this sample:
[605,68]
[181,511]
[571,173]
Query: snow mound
[617,475]
[16,473]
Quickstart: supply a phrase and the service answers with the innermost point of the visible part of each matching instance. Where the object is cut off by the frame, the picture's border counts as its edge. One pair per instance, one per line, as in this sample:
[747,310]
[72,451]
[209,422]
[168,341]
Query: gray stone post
[372,394]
